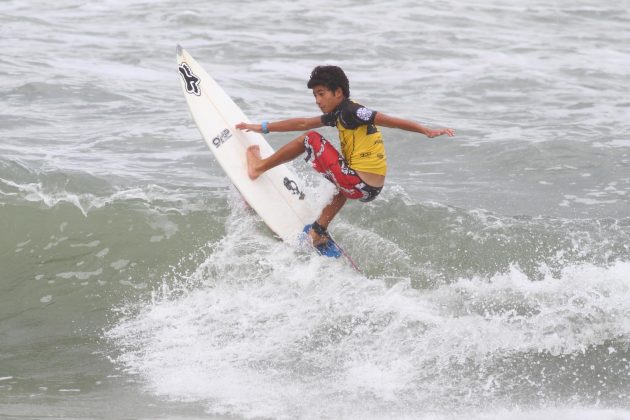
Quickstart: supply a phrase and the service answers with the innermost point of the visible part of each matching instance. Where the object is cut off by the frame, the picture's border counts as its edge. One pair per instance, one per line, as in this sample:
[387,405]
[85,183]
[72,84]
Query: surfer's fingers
[243,126]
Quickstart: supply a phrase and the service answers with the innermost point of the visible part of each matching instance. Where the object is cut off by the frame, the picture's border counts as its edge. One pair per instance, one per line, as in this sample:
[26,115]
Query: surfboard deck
[277,196]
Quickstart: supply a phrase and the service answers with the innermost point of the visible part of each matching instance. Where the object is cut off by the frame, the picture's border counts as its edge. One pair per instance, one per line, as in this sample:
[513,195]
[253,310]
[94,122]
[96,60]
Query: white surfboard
[277,195]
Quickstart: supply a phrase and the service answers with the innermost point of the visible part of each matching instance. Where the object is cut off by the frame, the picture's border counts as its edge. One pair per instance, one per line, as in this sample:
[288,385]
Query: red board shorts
[326,160]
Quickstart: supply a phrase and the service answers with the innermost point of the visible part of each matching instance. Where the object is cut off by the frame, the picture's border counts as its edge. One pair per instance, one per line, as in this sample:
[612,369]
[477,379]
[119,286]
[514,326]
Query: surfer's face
[326,99]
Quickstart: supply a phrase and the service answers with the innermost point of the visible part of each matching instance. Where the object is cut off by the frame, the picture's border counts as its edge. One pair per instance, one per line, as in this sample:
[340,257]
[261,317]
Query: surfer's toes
[254,150]
[253,159]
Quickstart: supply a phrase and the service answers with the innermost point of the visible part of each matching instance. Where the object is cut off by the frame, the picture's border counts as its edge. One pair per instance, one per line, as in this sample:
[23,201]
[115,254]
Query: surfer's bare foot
[253,162]
[316,239]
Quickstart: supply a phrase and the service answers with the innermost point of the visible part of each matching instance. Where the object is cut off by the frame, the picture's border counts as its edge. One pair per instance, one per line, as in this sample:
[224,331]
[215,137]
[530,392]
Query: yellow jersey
[361,141]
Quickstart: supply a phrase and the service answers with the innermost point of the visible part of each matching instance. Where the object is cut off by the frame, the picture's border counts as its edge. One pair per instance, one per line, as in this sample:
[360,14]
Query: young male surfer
[359,171]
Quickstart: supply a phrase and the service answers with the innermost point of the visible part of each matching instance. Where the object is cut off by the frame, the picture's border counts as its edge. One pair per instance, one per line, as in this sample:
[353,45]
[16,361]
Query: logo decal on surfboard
[192,81]
[221,138]
[293,187]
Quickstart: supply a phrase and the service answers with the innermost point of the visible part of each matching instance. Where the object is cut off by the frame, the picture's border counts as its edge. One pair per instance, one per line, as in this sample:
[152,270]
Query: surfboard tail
[331,249]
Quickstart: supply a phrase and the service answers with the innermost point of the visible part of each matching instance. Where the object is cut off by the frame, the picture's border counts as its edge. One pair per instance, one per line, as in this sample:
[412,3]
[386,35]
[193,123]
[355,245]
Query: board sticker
[292,186]
[192,81]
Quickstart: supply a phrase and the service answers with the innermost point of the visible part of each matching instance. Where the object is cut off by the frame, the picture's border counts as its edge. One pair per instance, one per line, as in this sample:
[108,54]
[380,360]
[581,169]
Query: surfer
[359,170]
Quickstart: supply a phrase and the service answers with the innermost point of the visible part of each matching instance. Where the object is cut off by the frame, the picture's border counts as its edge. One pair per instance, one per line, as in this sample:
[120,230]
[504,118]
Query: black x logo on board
[192,81]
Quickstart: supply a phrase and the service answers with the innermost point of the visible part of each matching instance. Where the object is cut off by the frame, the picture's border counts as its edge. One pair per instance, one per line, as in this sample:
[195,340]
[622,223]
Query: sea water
[495,283]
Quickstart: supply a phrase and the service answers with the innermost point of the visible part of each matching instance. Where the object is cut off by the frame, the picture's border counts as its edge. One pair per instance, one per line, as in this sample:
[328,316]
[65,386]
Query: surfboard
[277,196]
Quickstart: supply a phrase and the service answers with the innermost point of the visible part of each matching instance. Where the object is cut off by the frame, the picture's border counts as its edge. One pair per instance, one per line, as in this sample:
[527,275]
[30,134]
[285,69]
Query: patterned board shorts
[326,160]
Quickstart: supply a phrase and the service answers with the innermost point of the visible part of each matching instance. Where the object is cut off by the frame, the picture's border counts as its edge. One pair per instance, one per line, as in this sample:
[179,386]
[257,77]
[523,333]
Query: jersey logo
[364,114]
[292,186]
[192,81]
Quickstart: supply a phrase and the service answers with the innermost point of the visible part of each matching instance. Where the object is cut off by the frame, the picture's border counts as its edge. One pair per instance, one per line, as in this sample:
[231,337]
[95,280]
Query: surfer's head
[331,77]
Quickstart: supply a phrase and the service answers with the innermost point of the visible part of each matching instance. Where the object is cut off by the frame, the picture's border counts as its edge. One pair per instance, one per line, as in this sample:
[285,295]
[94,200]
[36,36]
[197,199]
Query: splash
[259,329]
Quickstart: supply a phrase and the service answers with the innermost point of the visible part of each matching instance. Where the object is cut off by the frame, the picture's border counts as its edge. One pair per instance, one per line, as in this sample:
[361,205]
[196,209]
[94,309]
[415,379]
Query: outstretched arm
[393,122]
[293,124]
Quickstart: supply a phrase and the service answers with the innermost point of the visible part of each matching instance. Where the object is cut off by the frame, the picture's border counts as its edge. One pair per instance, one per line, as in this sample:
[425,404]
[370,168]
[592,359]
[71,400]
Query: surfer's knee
[314,144]
[313,141]
[312,136]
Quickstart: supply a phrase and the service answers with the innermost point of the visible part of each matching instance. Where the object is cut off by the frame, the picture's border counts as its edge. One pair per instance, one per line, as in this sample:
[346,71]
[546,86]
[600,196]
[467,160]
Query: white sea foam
[120,264]
[80,275]
[320,333]
[555,413]
[259,331]
[158,197]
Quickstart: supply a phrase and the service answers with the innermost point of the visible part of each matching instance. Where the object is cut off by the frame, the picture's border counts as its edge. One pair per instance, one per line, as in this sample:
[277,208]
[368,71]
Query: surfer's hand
[249,127]
[435,133]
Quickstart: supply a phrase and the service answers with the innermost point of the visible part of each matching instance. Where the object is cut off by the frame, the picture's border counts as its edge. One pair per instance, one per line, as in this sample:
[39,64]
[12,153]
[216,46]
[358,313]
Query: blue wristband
[265,127]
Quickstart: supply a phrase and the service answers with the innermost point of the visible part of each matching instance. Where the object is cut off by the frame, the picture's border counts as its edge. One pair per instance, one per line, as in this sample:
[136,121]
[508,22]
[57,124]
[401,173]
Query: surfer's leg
[326,216]
[331,209]
[256,165]
[327,160]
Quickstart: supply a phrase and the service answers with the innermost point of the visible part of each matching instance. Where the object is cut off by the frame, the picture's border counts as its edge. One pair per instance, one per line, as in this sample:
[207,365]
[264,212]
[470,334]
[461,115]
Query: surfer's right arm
[293,124]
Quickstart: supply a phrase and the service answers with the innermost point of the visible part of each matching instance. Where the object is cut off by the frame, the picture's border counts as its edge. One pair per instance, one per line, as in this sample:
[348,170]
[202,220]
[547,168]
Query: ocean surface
[495,283]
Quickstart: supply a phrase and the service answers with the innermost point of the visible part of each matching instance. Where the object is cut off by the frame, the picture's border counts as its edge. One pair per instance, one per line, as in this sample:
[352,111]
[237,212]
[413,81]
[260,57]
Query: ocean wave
[257,323]
[180,200]
[245,346]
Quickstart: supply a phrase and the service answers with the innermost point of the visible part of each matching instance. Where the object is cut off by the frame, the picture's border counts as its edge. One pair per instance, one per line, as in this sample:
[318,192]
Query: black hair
[330,76]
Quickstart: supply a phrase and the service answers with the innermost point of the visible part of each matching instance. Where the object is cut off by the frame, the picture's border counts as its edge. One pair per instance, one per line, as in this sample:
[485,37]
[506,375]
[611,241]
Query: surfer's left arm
[293,124]
[408,125]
